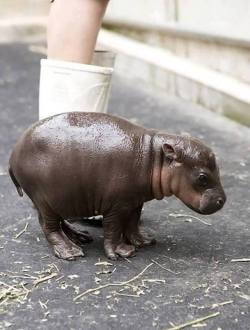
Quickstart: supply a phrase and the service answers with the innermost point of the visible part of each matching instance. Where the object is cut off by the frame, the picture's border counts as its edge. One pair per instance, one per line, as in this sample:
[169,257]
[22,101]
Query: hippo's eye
[203,179]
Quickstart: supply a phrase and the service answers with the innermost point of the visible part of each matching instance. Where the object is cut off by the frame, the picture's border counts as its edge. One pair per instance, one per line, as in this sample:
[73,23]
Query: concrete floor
[191,271]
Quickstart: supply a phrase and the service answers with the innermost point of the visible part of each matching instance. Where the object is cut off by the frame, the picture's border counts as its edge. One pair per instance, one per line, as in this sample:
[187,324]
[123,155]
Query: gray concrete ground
[191,271]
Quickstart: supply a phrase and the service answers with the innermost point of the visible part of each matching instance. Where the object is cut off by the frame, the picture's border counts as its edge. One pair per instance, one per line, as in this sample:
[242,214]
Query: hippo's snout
[212,201]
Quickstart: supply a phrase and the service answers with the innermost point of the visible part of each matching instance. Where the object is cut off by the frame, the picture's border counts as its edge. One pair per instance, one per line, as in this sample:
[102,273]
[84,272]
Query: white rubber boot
[68,86]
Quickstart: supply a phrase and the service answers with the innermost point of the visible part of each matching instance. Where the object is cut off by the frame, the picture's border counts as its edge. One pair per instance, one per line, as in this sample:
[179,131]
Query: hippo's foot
[79,237]
[63,247]
[67,253]
[125,251]
[141,239]
[113,251]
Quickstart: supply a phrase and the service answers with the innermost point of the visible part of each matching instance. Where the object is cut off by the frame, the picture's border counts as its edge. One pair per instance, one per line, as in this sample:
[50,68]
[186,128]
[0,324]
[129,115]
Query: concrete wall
[225,16]
[229,17]
[214,33]
[141,11]
[21,8]
[219,55]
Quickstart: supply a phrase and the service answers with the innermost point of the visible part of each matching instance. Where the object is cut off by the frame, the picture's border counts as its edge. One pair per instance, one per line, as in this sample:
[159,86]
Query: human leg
[68,81]
[73,27]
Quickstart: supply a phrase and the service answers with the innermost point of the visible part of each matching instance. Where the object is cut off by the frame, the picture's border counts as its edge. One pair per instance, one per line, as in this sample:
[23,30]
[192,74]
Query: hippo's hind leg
[114,245]
[78,236]
[133,234]
[63,247]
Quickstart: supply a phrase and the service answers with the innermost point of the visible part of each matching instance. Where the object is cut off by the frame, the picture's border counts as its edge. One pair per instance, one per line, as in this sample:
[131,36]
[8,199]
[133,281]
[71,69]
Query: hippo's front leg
[133,234]
[114,244]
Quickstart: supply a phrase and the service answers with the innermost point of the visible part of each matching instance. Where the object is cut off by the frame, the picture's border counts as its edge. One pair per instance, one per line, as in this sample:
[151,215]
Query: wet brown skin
[83,164]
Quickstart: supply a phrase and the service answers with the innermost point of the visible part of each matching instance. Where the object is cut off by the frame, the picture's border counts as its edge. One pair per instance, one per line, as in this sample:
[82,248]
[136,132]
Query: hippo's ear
[169,152]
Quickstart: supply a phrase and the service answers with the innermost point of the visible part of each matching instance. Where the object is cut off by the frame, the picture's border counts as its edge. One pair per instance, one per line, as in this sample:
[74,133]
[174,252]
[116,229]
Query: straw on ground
[112,284]
[188,324]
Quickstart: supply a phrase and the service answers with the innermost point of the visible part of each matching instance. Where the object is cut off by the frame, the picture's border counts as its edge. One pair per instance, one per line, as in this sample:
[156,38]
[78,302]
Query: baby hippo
[79,164]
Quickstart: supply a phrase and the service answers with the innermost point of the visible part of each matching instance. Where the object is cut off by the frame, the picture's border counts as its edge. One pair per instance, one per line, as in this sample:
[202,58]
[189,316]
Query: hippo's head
[190,173]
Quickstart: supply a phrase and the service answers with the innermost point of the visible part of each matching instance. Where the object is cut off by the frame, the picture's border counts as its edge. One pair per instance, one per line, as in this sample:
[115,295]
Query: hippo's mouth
[205,212]
[194,209]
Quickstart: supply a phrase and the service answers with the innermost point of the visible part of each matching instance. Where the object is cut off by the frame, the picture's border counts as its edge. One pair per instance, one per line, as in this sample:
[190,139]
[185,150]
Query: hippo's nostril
[220,201]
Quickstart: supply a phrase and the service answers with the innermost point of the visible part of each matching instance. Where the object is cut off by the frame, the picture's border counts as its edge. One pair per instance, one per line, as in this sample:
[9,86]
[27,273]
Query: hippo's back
[95,130]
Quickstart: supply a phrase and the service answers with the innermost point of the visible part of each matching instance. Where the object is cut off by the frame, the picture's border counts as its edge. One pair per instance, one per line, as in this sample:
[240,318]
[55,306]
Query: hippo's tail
[16,183]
